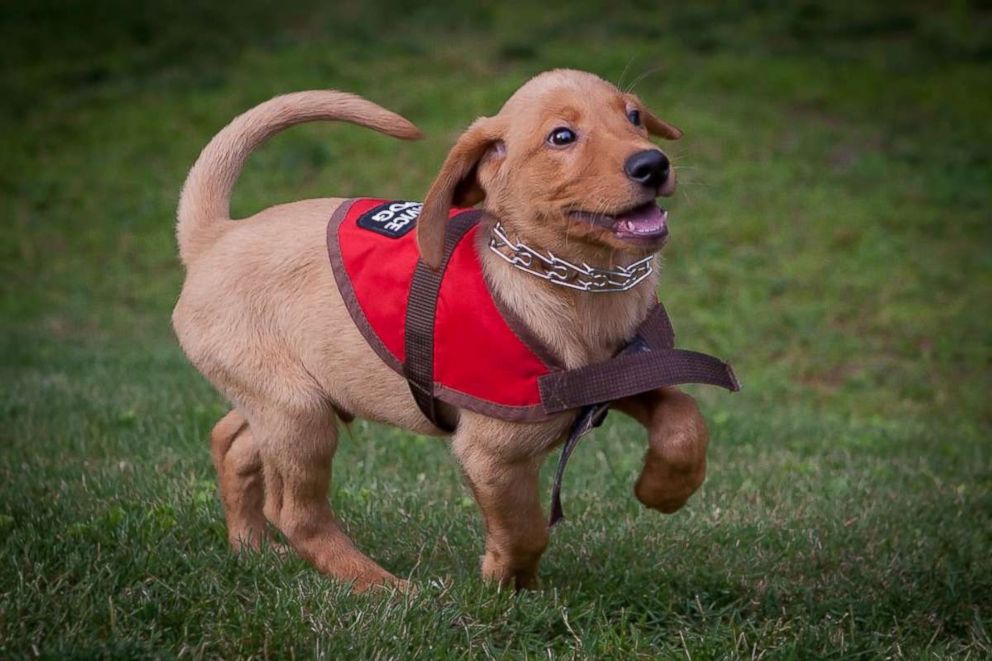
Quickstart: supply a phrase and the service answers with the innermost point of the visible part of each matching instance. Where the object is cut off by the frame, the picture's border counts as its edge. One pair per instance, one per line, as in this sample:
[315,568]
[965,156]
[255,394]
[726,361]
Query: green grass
[831,237]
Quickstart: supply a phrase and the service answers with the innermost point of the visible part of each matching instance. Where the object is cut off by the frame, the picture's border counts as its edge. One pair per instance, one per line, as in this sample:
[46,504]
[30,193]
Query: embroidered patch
[392,219]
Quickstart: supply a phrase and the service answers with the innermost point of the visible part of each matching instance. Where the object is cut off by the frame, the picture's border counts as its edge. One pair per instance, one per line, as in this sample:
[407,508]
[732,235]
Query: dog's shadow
[582,567]
[645,583]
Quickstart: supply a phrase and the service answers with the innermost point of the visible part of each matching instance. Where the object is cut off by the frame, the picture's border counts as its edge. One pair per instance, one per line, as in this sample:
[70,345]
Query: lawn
[831,237]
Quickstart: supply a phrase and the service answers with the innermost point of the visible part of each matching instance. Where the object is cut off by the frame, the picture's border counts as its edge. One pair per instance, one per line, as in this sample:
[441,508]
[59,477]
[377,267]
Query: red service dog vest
[457,343]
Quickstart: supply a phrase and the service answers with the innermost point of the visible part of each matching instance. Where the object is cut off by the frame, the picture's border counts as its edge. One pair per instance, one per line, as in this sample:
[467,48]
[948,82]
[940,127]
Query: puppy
[567,167]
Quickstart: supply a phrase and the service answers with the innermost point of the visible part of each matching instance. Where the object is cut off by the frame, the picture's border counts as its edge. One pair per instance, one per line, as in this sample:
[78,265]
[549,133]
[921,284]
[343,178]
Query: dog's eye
[561,136]
[634,115]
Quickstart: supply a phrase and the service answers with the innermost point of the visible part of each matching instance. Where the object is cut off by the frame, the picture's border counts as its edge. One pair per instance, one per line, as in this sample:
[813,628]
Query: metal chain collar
[561,272]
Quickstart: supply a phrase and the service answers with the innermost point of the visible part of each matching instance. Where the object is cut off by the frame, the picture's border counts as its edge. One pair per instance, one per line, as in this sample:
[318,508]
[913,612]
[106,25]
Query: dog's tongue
[646,221]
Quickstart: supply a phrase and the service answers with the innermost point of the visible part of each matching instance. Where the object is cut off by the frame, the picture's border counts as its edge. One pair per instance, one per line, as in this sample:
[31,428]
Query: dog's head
[566,161]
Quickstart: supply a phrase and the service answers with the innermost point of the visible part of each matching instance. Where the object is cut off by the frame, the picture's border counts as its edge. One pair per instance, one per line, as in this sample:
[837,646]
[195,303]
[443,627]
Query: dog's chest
[579,330]
[480,359]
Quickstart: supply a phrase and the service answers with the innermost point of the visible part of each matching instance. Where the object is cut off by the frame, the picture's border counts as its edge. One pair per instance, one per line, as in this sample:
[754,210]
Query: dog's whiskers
[649,72]
[623,74]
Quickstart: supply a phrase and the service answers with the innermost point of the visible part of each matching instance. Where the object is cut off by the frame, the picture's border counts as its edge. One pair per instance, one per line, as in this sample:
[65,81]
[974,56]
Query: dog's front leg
[675,462]
[504,479]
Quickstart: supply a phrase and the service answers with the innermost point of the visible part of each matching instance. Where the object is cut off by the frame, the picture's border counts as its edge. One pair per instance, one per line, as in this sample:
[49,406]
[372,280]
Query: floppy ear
[654,125]
[454,184]
[660,127]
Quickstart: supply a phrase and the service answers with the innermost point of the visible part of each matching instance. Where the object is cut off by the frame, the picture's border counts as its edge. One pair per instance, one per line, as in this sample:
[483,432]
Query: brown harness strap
[418,366]
[632,374]
[655,336]
[656,329]
[650,361]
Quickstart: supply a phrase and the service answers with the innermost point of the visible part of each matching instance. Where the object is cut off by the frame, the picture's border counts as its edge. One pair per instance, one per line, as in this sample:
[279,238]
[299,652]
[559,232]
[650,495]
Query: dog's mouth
[644,223]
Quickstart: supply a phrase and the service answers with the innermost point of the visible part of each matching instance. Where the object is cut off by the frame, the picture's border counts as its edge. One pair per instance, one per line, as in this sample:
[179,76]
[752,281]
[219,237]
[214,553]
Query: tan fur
[260,317]
[675,462]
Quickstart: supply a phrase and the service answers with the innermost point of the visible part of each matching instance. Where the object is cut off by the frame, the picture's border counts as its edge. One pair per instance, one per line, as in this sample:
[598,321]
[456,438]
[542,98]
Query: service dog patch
[392,219]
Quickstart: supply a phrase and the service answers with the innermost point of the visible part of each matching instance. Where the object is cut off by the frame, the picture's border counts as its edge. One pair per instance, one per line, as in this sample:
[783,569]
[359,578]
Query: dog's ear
[454,185]
[660,127]
[655,125]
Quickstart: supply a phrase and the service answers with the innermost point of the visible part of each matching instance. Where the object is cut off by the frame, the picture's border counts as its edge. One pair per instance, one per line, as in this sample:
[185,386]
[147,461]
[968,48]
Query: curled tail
[204,206]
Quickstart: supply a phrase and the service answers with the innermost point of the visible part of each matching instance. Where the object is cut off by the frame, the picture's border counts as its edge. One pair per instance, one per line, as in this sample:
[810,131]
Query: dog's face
[567,159]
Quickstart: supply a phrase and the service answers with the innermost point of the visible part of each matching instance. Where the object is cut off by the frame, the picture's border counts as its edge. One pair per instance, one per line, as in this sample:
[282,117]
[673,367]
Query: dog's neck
[580,327]
[562,272]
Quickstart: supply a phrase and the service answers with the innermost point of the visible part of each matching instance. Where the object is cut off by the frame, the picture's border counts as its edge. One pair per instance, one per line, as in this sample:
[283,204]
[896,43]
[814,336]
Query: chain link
[561,272]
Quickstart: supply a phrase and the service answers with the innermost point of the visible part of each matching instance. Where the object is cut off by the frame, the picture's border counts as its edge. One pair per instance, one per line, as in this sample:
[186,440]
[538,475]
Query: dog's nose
[649,168]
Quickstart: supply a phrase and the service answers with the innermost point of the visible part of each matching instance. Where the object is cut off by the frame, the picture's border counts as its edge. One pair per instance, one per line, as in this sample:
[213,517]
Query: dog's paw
[382,582]
[499,573]
[675,462]
[282,551]
[665,495]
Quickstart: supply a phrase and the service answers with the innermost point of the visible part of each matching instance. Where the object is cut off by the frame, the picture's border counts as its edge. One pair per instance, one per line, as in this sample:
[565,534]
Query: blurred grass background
[831,237]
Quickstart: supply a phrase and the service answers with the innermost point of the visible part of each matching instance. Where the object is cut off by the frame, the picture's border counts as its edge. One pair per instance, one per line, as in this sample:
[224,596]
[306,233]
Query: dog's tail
[204,206]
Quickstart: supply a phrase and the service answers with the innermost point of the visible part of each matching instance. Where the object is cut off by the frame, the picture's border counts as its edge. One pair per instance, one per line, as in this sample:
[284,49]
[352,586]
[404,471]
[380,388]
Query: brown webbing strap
[655,335]
[632,374]
[657,329]
[421,306]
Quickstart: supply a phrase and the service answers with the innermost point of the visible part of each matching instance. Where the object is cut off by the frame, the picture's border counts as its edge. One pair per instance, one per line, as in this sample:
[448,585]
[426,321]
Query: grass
[831,237]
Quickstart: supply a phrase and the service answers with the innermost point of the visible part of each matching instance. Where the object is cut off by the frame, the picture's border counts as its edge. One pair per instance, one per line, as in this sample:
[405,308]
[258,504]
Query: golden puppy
[567,167]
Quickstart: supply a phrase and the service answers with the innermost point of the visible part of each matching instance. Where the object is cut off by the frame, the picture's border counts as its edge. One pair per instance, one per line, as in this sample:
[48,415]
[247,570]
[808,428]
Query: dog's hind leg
[297,449]
[239,470]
